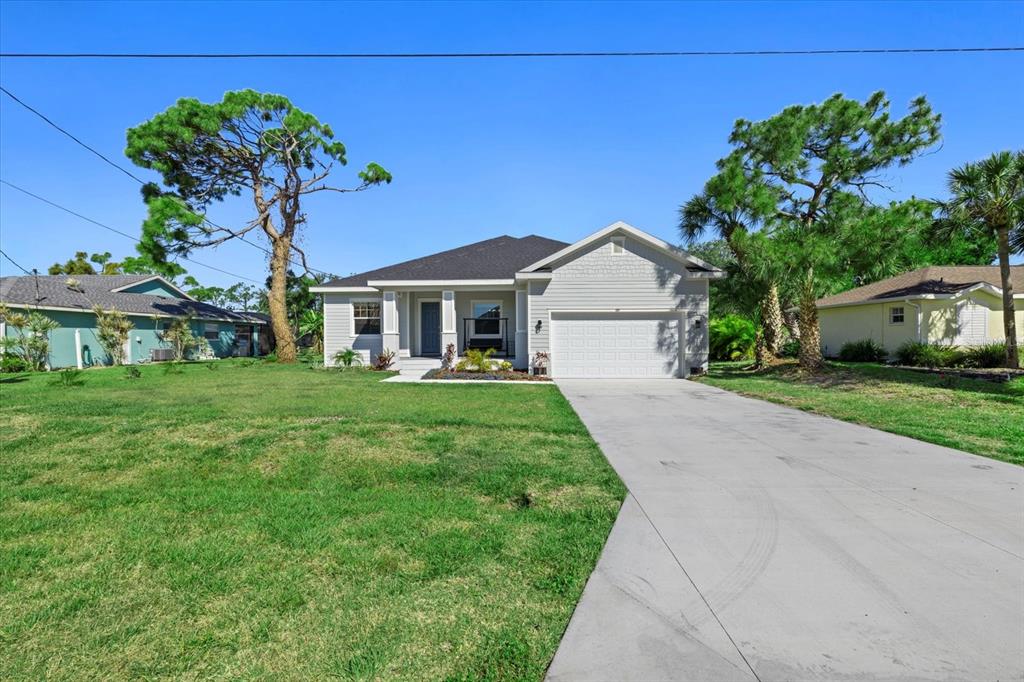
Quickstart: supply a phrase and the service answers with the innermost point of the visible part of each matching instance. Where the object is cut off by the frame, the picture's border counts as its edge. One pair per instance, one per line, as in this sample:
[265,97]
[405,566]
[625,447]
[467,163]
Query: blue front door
[430,328]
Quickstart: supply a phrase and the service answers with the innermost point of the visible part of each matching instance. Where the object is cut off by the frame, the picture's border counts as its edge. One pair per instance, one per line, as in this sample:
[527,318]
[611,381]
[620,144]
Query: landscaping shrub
[12,364]
[348,357]
[474,360]
[731,338]
[67,377]
[989,355]
[865,350]
[790,349]
[918,354]
[384,360]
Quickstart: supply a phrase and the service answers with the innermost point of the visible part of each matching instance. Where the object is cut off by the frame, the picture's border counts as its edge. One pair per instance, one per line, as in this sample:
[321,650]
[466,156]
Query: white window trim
[472,304]
[207,330]
[352,316]
[618,245]
[903,315]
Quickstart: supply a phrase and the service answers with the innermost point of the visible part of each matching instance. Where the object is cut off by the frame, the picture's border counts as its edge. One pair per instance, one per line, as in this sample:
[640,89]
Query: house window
[896,315]
[618,245]
[486,318]
[366,317]
[211,331]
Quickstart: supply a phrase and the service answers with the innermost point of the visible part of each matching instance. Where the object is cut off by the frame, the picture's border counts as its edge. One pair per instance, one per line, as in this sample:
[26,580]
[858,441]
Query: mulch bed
[496,375]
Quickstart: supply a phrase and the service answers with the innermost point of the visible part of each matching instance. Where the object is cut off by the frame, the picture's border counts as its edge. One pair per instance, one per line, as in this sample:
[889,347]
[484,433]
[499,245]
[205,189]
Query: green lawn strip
[982,417]
[275,521]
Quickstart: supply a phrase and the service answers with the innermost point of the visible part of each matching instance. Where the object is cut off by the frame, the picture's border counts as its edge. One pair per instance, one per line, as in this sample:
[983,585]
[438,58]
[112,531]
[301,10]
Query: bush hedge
[865,350]
[731,338]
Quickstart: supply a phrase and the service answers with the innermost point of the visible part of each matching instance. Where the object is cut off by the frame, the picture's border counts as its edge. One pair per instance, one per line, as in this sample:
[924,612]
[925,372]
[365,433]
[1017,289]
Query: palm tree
[989,196]
[312,323]
[733,224]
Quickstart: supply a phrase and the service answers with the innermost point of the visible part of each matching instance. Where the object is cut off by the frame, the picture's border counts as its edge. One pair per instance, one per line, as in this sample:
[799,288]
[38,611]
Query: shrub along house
[618,303]
[149,301]
[956,305]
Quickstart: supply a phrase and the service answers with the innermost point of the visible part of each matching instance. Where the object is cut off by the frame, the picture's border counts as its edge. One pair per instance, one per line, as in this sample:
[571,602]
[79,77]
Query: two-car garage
[627,344]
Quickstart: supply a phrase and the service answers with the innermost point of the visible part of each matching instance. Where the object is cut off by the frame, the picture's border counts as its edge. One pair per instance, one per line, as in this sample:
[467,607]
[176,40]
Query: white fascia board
[635,233]
[533,276]
[704,274]
[151,279]
[344,290]
[447,283]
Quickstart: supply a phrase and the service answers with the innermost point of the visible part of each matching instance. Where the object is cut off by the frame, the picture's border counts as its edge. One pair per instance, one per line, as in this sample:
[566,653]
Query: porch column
[389,322]
[448,322]
[78,348]
[522,359]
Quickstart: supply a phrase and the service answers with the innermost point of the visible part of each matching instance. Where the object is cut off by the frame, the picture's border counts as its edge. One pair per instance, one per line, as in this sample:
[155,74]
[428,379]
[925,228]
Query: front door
[430,328]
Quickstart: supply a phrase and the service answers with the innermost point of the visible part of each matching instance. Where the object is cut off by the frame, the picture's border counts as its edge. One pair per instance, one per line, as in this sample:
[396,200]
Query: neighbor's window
[487,318]
[366,317]
[896,315]
[211,331]
[618,244]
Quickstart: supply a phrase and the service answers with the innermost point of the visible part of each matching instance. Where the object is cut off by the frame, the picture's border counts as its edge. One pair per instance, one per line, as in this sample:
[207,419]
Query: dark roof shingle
[498,258]
[96,290]
[947,279]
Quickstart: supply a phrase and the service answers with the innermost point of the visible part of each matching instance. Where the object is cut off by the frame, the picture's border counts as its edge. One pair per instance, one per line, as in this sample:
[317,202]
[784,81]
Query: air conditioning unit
[161,354]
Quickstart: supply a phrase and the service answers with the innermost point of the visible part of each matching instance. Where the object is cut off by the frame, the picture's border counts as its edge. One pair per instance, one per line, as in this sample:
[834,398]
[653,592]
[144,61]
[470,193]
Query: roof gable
[576,248]
[155,285]
[929,282]
[54,291]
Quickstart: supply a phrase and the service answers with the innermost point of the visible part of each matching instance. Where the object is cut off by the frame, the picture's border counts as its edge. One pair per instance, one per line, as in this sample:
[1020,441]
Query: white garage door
[609,345]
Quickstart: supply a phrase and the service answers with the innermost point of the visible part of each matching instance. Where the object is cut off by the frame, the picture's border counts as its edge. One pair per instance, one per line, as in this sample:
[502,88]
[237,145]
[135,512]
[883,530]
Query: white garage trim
[672,369]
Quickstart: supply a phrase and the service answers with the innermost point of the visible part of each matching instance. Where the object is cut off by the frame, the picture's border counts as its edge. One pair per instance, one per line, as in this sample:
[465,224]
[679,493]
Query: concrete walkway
[764,543]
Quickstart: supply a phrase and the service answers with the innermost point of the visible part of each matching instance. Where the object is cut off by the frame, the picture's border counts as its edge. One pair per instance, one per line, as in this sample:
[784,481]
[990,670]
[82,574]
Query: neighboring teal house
[151,303]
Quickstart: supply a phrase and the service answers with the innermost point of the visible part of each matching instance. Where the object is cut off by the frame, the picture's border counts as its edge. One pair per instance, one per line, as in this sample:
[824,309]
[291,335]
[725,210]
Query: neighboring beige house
[959,305]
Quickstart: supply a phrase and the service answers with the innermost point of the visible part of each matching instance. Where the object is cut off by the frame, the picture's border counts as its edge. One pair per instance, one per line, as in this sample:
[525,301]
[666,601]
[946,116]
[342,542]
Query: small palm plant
[475,361]
[348,358]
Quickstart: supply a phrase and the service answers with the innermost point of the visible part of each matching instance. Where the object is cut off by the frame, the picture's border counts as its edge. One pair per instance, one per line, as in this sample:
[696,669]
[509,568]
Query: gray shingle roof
[95,290]
[498,258]
[947,279]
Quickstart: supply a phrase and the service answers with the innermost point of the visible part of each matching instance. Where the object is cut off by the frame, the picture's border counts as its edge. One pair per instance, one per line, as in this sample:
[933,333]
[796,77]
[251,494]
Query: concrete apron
[767,543]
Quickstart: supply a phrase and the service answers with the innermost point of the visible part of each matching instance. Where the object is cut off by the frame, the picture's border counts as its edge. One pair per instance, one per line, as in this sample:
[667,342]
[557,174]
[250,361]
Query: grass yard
[969,414]
[273,521]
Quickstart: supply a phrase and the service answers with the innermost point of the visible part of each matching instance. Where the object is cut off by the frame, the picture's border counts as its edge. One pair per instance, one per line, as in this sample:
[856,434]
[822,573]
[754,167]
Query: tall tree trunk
[277,300]
[810,333]
[791,318]
[762,356]
[771,320]
[1009,320]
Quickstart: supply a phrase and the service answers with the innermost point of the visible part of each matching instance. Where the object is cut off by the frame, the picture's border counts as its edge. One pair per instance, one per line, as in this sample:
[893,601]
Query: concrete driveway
[764,543]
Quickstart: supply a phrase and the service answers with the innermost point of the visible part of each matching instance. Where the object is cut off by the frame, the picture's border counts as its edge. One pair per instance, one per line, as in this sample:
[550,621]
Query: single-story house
[149,301]
[959,305]
[617,303]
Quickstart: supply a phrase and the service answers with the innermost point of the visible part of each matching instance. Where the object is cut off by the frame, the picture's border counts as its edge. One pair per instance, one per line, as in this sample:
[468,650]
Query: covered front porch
[422,322]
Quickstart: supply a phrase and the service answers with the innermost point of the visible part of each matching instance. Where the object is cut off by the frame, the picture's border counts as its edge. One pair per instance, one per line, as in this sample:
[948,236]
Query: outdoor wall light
[536,329]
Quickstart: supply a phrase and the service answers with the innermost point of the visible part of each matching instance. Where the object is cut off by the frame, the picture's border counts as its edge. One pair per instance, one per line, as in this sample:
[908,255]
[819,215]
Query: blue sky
[478,148]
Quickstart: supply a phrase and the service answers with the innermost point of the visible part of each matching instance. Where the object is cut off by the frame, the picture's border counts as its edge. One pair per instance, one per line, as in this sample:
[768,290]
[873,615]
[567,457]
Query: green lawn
[273,521]
[969,414]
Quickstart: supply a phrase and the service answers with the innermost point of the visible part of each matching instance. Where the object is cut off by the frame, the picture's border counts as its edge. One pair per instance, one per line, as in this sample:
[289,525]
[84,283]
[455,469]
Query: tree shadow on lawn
[849,375]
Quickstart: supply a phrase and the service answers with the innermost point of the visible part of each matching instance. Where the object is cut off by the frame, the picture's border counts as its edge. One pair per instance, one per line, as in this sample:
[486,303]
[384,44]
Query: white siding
[338,328]
[640,278]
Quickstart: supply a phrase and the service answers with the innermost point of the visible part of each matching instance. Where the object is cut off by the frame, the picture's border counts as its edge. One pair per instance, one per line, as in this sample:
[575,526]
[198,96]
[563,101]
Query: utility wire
[143,182]
[116,231]
[14,262]
[499,55]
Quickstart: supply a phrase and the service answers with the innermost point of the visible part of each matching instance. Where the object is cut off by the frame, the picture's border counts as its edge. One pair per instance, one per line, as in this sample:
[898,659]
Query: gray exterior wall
[640,278]
[338,328]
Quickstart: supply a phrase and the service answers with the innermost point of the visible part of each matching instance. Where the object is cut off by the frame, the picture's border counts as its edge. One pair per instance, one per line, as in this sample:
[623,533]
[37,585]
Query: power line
[143,182]
[116,231]
[500,55]
[83,144]
[14,262]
